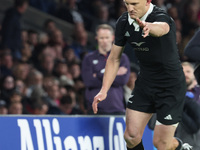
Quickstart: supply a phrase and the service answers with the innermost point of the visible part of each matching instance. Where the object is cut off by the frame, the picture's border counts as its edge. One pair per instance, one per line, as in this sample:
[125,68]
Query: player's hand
[97,99]
[144,26]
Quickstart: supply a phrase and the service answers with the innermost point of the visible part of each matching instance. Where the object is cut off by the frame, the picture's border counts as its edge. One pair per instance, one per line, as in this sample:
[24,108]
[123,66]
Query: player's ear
[113,38]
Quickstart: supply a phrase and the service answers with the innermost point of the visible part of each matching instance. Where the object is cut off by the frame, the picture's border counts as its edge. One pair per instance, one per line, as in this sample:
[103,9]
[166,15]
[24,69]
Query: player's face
[189,74]
[136,8]
[105,39]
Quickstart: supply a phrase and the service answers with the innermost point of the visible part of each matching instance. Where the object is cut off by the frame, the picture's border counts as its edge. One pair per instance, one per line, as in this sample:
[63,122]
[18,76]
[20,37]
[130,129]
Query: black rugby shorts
[167,102]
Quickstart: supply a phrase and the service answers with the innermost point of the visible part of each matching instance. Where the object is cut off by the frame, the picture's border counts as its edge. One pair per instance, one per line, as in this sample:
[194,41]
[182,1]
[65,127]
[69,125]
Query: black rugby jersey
[158,56]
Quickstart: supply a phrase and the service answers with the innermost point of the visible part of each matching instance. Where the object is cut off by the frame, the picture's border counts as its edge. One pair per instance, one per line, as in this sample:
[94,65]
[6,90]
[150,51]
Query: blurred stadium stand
[34,19]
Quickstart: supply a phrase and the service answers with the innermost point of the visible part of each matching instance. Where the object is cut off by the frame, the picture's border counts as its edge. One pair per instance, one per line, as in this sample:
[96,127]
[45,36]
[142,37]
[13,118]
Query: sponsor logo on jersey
[138,44]
[139,48]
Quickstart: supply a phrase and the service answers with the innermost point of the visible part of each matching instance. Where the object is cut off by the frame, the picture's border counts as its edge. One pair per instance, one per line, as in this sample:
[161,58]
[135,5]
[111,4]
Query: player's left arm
[156,29]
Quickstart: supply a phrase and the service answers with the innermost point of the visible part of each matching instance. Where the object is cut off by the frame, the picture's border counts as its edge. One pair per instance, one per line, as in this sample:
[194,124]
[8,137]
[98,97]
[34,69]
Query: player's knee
[132,138]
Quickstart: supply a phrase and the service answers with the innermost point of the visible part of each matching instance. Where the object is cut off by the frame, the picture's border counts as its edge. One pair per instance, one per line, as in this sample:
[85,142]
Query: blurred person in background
[11,28]
[32,38]
[54,95]
[6,64]
[61,71]
[193,89]
[68,107]
[59,51]
[192,49]
[102,16]
[40,52]
[79,86]
[26,53]
[15,108]
[80,45]
[69,12]
[3,107]
[47,63]
[21,70]
[56,38]
[47,6]
[16,97]
[190,21]
[173,12]
[7,87]
[76,97]
[43,38]
[93,67]
[34,84]
[189,128]
[160,3]
[192,52]
[21,87]
[70,57]
[49,26]
[24,35]
[75,71]
[48,81]
[38,106]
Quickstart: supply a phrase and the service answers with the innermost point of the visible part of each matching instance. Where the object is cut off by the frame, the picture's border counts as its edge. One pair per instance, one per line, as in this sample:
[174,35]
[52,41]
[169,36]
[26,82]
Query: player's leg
[169,107]
[135,124]
[164,137]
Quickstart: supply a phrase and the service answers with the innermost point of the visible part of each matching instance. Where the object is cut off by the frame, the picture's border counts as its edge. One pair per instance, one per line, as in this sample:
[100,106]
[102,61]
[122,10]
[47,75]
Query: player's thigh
[164,133]
[136,122]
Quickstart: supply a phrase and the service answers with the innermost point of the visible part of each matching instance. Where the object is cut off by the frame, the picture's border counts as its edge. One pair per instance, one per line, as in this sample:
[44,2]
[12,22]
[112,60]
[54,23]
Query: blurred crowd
[89,14]
[40,72]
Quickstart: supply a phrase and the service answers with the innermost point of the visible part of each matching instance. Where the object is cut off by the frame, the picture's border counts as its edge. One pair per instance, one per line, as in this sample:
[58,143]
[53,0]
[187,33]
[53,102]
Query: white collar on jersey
[135,24]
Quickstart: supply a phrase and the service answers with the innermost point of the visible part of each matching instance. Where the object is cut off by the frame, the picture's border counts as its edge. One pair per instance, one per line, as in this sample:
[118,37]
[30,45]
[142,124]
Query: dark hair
[31,31]
[19,3]
[37,103]
[66,100]
[2,80]
[47,22]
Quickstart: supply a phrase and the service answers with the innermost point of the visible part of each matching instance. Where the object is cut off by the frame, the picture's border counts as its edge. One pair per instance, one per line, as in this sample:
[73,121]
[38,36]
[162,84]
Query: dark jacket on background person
[197,73]
[11,32]
[192,49]
[195,93]
[94,63]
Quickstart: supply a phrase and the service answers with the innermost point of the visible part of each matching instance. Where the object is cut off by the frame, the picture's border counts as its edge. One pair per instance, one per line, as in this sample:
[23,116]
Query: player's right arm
[112,66]
[156,29]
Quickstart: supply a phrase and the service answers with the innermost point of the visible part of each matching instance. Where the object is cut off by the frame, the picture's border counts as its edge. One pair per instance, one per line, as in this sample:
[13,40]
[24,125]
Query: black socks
[138,147]
[141,147]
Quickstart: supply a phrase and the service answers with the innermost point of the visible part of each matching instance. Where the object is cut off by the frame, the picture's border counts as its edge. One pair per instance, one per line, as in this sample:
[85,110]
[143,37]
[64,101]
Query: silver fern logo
[138,44]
